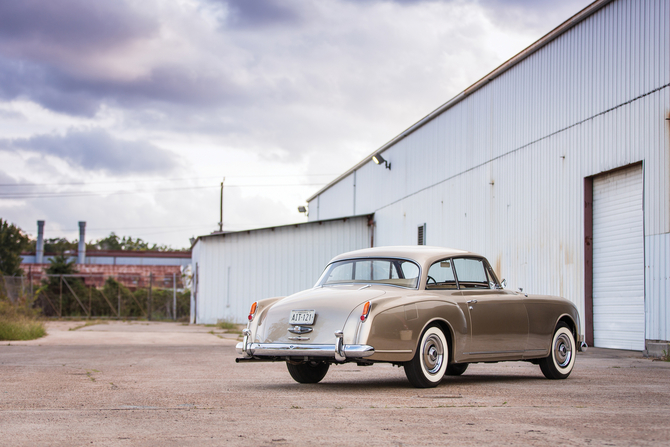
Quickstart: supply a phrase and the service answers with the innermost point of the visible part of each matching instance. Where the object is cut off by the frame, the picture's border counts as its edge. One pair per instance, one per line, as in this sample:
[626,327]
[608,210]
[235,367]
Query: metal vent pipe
[81,258]
[39,249]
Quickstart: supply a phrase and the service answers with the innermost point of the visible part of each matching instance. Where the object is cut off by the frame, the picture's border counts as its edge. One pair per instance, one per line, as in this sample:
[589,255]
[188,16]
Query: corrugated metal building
[556,166]
[232,270]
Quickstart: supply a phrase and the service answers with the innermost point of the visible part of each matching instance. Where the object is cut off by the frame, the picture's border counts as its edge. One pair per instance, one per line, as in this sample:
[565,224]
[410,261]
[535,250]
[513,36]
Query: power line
[161,180]
[45,195]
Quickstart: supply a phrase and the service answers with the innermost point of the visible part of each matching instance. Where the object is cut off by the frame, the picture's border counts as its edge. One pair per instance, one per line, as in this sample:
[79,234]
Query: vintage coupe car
[431,310]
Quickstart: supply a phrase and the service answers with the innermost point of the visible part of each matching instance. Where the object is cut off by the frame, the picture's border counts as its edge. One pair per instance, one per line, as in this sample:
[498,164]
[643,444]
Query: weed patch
[21,328]
[88,323]
[229,326]
[19,321]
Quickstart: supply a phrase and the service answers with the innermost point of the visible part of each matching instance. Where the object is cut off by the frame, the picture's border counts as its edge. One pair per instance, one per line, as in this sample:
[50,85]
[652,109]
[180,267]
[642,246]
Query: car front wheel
[429,364]
[561,359]
[308,372]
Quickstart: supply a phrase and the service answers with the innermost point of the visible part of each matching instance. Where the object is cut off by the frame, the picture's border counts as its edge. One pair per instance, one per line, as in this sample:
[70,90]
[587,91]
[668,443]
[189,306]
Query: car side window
[471,273]
[441,276]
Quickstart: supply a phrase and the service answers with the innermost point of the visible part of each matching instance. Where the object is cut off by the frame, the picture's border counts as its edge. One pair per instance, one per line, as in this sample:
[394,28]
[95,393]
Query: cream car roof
[423,254]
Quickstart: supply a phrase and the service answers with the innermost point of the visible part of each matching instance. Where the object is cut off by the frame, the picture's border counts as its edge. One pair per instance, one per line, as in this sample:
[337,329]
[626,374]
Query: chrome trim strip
[300,330]
[393,351]
[306,350]
[495,352]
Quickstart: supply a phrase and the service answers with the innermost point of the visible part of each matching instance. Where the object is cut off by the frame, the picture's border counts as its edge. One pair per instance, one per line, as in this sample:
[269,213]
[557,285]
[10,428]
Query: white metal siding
[502,171]
[239,268]
[618,260]
[657,285]
[340,201]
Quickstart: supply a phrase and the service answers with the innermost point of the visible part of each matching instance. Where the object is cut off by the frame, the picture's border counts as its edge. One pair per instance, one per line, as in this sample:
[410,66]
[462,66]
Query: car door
[498,318]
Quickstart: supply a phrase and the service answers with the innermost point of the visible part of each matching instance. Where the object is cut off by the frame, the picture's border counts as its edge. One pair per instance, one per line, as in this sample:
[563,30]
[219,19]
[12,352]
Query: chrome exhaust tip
[583,347]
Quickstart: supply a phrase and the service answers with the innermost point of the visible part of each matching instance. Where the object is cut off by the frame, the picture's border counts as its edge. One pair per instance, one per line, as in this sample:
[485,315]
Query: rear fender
[256,325]
[394,333]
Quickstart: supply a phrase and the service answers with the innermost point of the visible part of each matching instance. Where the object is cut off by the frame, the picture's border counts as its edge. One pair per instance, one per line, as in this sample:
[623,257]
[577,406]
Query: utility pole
[149,297]
[221,207]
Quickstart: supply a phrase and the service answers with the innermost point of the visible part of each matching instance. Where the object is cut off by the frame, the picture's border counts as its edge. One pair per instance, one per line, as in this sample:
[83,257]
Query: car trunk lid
[331,305]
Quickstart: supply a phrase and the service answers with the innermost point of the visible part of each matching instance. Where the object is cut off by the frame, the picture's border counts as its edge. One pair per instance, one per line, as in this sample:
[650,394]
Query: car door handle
[471,301]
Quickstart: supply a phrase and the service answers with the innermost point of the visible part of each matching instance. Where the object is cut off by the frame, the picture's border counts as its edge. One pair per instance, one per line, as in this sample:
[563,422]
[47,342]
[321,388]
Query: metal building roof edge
[511,62]
[311,222]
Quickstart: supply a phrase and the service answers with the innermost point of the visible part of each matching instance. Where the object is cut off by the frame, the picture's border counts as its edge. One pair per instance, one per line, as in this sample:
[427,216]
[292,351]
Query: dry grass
[20,320]
[21,328]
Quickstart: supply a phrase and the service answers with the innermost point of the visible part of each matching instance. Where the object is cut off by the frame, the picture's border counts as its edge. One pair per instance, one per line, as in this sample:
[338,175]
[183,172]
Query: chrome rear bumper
[255,350]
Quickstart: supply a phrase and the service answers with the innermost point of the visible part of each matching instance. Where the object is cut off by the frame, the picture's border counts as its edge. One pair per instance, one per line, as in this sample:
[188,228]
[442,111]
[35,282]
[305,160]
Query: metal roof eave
[543,41]
[311,222]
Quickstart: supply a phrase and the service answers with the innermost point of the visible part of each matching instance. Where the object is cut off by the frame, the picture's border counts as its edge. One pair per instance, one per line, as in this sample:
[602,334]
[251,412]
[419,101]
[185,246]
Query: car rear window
[393,272]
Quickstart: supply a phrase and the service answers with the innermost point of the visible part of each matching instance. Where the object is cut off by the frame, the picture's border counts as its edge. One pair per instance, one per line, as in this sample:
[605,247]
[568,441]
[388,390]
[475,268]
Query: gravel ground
[165,384]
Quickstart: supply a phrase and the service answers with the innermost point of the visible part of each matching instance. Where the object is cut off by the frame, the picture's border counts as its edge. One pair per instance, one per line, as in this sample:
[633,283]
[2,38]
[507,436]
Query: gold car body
[483,322]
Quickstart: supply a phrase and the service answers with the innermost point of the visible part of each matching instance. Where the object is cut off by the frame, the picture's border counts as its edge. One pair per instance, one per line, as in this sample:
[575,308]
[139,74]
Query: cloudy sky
[127,114]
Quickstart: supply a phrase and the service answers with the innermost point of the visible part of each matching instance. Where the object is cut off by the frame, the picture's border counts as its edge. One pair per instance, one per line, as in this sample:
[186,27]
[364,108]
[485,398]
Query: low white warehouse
[232,270]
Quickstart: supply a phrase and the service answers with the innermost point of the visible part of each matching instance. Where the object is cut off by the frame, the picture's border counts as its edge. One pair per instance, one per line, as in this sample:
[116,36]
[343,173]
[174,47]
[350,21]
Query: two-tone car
[430,310]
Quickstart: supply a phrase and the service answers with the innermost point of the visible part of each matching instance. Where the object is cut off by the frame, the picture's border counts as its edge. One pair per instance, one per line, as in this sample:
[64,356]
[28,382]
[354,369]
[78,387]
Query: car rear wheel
[456,369]
[308,372]
[561,359]
[429,364]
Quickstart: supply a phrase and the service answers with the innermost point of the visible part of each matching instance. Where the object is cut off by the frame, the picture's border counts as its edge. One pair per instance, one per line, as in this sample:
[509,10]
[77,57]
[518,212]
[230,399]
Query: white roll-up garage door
[618,260]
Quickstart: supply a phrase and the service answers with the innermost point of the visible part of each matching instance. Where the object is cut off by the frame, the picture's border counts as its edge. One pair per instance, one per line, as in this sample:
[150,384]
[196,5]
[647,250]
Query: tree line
[14,241]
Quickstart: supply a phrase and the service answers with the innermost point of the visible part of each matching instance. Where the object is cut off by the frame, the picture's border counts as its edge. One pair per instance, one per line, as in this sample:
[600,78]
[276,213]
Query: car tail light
[366,311]
[252,311]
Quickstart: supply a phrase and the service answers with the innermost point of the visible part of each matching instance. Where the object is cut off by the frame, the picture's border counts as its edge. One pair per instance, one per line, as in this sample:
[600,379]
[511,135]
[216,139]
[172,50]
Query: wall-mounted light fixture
[377,158]
[302,209]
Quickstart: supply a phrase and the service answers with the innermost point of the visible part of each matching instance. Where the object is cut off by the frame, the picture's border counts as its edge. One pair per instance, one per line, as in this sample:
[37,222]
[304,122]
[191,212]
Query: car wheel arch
[570,322]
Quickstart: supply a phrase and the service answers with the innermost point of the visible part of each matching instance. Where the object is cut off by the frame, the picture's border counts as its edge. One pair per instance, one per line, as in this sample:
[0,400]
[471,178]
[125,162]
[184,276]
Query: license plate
[301,317]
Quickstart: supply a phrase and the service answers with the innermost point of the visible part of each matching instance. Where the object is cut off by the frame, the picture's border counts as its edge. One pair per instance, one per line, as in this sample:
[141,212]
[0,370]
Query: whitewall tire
[561,359]
[430,361]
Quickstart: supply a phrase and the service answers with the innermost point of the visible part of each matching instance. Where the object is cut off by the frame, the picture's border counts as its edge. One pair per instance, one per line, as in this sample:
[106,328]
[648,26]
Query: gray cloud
[535,15]
[259,13]
[83,25]
[73,94]
[46,49]
[97,150]
[45,85]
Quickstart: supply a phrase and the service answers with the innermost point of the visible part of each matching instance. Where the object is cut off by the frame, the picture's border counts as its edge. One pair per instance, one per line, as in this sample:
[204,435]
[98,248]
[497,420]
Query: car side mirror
[503,283]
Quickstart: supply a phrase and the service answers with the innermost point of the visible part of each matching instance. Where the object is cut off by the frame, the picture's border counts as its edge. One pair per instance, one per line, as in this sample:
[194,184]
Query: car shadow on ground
[372,383]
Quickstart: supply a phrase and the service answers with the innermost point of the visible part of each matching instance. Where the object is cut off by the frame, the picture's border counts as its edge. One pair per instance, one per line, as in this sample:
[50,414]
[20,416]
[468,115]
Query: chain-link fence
[115,296]
[14,287]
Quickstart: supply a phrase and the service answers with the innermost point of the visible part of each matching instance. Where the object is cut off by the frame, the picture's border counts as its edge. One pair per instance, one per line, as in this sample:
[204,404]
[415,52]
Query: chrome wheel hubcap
[563,350]
[433,354]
